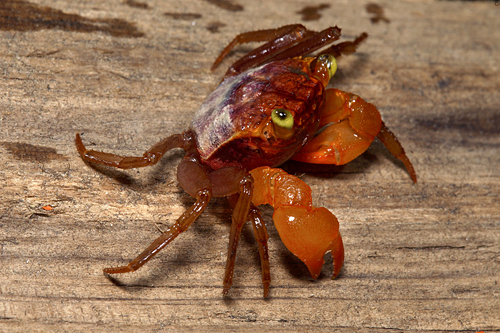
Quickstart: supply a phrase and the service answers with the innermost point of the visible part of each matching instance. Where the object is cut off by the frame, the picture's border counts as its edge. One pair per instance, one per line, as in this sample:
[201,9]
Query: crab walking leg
[394,146]
[315,42]
[345,48]
[308,232]
[288,33]
[150,157]
[239,218]
[182,224]
[292,44]
[261,236]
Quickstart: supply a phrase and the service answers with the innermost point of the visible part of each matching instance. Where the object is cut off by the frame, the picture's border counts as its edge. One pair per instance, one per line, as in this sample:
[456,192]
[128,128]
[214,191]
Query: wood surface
[419,258]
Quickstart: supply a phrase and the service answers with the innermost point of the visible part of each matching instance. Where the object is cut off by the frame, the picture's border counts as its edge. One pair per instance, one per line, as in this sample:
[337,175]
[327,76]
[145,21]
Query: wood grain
[419,258]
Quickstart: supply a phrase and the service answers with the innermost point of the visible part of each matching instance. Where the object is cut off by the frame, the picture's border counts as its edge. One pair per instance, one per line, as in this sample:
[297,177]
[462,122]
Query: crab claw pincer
[309,233]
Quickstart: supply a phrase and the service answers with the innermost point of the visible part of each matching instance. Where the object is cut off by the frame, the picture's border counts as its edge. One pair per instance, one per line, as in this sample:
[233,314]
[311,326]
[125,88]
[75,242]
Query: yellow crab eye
[330,62]
[282,118]
[283,123]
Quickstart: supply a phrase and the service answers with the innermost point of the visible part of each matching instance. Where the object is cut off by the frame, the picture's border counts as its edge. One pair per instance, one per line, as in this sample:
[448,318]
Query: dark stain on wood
[213,27]
[137,4]
[32,153]
[477,122]
[442,82]
[25,16]
[227,5]
[311,13]
[42,54]
[431,247]
[183,16]
[378,13]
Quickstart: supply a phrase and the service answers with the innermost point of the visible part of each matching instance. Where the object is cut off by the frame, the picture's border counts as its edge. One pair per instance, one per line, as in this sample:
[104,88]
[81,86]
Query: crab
[271,106]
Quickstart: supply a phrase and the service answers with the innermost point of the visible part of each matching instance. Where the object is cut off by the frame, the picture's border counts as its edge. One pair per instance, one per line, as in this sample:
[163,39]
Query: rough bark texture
[419,258]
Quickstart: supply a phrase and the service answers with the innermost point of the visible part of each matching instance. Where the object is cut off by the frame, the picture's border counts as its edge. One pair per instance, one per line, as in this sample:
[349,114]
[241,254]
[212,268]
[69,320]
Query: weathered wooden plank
[419,258]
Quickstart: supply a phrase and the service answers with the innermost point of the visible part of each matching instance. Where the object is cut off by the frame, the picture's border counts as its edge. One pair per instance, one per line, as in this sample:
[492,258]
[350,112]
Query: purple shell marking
[213,122]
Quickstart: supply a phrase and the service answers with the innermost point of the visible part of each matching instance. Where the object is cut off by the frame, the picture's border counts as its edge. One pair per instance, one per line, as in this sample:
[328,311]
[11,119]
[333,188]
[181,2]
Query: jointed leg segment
[150,157]
[282,43]
[392,143]
[182,224]
[196,180]
[240,213]
[345,48]
[288,35]
[261,236]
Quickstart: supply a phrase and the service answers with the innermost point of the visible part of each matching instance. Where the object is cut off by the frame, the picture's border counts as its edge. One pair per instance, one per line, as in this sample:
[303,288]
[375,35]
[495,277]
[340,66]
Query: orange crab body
[272,106]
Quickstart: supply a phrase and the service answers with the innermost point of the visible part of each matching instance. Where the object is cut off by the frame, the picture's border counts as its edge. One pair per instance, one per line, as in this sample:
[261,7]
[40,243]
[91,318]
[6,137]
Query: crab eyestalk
[325,68]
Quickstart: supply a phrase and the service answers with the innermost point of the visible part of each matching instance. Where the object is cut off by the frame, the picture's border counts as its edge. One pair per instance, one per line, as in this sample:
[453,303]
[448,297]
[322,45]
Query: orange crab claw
[354,124]
[351,126]
[310,234]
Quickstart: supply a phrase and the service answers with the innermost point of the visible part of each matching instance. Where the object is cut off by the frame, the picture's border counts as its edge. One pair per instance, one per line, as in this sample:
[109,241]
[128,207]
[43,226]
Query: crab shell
[233,127]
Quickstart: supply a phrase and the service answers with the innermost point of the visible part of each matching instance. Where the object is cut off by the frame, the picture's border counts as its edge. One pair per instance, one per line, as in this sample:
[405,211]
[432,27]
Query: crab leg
[150,157]
[261,236]
[394,146]
[320,39]
[292,42]
[353,124]
[345,48]
[263,53]
[308,232]
[202,191]
[287,34]
[239,218]
[182,224]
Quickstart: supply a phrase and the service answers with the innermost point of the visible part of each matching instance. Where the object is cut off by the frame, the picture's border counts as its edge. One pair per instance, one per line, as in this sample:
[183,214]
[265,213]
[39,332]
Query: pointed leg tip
[118,270]
[266,290]
[80,146]
[78,139]
[413,176]
[409,168]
